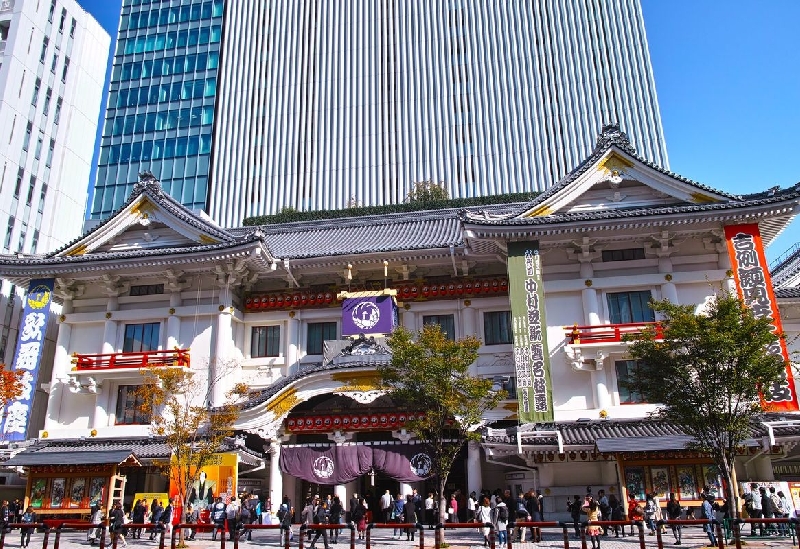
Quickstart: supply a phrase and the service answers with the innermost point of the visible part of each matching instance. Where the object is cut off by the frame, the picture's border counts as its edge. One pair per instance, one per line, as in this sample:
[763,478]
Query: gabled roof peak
[611,134]
[147,182]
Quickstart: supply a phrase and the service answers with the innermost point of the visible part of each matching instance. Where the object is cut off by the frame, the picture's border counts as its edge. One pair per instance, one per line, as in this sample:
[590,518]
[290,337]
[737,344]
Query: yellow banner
[217,479]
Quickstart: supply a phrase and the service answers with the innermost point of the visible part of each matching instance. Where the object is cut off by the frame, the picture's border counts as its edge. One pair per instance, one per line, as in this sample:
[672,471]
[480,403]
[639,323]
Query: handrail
[146,359]
[605,333]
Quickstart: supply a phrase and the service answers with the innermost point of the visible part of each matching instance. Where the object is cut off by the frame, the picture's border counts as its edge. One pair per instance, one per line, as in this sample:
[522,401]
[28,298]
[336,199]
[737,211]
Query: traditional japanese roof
[786,274]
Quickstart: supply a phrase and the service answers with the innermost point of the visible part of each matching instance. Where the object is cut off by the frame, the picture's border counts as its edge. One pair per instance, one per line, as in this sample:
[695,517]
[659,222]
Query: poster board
[217,479]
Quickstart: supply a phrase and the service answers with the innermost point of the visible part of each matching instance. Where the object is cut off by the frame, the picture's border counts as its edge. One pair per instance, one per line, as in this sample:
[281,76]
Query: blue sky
[728,81]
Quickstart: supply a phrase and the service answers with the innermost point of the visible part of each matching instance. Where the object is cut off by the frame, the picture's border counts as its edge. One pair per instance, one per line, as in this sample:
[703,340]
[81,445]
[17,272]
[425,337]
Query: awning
[32,458]
[643,444]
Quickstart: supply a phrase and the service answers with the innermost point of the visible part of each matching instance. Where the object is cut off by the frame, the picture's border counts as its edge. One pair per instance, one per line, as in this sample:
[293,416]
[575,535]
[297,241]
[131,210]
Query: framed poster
[634,481]
[37,492]
[57,492]
[687,483]
[712,479]
[96,490]
[76,491]
[661,481]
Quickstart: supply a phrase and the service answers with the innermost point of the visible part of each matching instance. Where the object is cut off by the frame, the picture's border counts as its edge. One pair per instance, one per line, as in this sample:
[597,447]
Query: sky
[727,75]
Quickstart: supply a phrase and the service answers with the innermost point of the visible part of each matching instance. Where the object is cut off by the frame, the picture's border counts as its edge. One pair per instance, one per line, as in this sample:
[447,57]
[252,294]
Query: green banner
[531,357]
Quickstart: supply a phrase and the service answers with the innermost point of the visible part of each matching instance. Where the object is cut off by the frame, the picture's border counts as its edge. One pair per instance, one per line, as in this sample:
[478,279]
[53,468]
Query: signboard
[370,314]
[217,478]
[754,286]
[30,344]
[531,356]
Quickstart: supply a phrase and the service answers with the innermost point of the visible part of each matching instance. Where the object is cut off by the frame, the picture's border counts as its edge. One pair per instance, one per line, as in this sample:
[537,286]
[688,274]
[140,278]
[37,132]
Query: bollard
[45,539]
[583,534]
[716,525]
[737,532]
[565,526]
[659,539]
[640,525]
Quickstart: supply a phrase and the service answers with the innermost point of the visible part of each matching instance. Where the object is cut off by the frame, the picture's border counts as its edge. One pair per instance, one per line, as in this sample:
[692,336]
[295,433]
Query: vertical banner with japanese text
[754,286]
[30,344]
[531,356]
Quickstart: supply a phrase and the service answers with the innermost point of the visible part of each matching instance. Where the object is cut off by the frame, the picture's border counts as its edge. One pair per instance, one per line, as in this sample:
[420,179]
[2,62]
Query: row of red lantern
[278,301]
[350,422]
[451,289]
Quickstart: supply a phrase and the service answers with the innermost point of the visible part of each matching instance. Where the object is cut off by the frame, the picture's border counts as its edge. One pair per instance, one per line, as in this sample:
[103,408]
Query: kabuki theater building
[550,286]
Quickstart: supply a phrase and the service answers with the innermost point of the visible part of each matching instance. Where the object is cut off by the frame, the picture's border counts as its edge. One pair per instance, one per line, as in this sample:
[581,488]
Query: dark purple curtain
[406,463]
[334,465]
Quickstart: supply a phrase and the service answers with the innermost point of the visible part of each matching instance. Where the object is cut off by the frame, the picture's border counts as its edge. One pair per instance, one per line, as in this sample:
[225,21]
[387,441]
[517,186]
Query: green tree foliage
[430,373]
[427,191]
[706,370]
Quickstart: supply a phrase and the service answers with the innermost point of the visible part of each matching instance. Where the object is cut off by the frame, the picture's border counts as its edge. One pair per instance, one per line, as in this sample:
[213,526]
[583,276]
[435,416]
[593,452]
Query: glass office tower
[161,101]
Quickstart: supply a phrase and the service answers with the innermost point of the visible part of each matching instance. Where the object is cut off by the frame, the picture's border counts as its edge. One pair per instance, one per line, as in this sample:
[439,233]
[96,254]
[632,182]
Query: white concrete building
[52,69]
[158,285]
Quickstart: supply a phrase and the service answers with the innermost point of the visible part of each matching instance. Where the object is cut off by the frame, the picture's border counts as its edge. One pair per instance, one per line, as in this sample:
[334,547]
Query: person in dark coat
[116,523]
[767,509]
[155,518]
[137,516]
[321,516]
[410,516]
[336,518]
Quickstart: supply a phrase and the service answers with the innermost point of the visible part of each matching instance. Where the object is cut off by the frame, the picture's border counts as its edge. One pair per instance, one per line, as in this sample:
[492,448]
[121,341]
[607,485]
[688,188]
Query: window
[627,307]
[31,188]
[66,68]
[37,153]
[49,160]
[43,55]
[628,254]
[36,86]
[57,113]
[18,185]
[42,197]
[141,337]
[626,371]
[62,21]
[146,289]
[72,28]
[54,62]
[266,341]
[497,328]
[446,322]
[27,141]
[129,407]
[9,231]
[47,97]
[317,333]
[52,11]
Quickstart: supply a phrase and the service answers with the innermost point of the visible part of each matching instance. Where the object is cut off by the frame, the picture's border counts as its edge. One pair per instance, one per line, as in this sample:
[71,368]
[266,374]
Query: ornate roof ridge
[148,184]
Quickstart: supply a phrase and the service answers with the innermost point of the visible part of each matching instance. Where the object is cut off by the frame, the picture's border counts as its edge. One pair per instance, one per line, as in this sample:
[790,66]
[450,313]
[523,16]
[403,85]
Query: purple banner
[403,463]
[334,465]
[369,315]
[30,344]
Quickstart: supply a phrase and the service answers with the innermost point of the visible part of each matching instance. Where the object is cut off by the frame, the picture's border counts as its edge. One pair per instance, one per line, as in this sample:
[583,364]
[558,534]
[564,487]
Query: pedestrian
[410,516]
[192,517]
[500,520]
[755,509]
[232,516]
[650,513]
[165,524]
[322,518]
[336,512]
[635,512]
[605,508]
[430,514]
[574,507]
[96,519]
[708,515]
[156,510]
[218,516]
[116,523]
[386,506]
[766,510]
[28,517]
[592,510]
[398,508]
[359,515]
[521,515]
[307,516]
[674,513]
[617,514]
[137,516]
[452,510]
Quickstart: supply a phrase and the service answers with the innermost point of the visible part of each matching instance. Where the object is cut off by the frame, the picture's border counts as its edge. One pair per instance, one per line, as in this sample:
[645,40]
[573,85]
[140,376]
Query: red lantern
[426,291]
[442,290]
[504,285]
[262,302]
[468,287]
[434,290]
[320,299]
[495,285]
[328,297]
[273,301]
[414,292]
[296,300]
[248,303]
[279,301]
[406,290]
[460,289]
[451,289]
[303,299]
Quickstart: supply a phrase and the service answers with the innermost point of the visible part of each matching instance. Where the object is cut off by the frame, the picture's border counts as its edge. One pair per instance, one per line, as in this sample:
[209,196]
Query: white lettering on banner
[17,418]
[28,356]
[32,330]
[756,295]
[27,386]
[530,361]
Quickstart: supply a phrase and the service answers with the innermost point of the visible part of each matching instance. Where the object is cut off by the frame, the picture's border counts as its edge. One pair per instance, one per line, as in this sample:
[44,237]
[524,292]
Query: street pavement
[693,537]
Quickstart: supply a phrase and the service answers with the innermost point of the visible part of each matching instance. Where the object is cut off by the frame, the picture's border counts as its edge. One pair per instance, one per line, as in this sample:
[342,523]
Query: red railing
[147,359]
[607,333]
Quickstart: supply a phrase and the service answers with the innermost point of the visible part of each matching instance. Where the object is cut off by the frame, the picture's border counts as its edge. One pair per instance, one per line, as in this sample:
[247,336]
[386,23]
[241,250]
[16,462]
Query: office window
[23,231]
[72,28]
[36,86]
[42,197]
[18,185]
[497,328]
[446,322]
[626,371]
[9,231]
[141,337]
[47,97]
[266,341]
[62,21]
[57,113]
[49,160]
[31,187]
[52,11]
[129,407]
[317,333]
[43,55]
[34,242]
[54,62]
[66,68]
[27,141]
[628,307]
[37,153]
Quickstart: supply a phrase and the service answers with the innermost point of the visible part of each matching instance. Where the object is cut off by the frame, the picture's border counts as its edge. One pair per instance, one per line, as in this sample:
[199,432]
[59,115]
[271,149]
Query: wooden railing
[607,333]
[147,359]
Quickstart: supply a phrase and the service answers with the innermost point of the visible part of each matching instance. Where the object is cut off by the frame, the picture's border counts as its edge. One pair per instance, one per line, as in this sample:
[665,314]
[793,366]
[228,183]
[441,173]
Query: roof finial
[147,182]
[610,135]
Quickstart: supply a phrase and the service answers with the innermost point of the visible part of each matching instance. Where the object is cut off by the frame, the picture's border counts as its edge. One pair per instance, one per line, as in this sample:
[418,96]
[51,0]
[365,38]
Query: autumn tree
[427,191]
[180,414]
[706,370]
[11,386]
[430,373]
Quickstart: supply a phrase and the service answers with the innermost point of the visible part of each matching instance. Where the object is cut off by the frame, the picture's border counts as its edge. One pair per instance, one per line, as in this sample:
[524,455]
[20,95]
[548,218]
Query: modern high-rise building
[53,58]
[246,109]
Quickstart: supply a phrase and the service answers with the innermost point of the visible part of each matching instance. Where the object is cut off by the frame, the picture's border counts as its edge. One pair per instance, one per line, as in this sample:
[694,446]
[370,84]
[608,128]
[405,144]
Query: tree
[706,369]
[177,403]
[431,374]
[427,191]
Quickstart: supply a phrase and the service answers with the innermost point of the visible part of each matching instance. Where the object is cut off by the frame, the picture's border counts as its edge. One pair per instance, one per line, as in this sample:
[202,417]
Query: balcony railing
[607,333]
[117,361]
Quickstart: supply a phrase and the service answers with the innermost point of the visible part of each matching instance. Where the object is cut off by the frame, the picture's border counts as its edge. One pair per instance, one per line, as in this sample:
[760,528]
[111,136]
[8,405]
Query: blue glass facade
[161,101]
